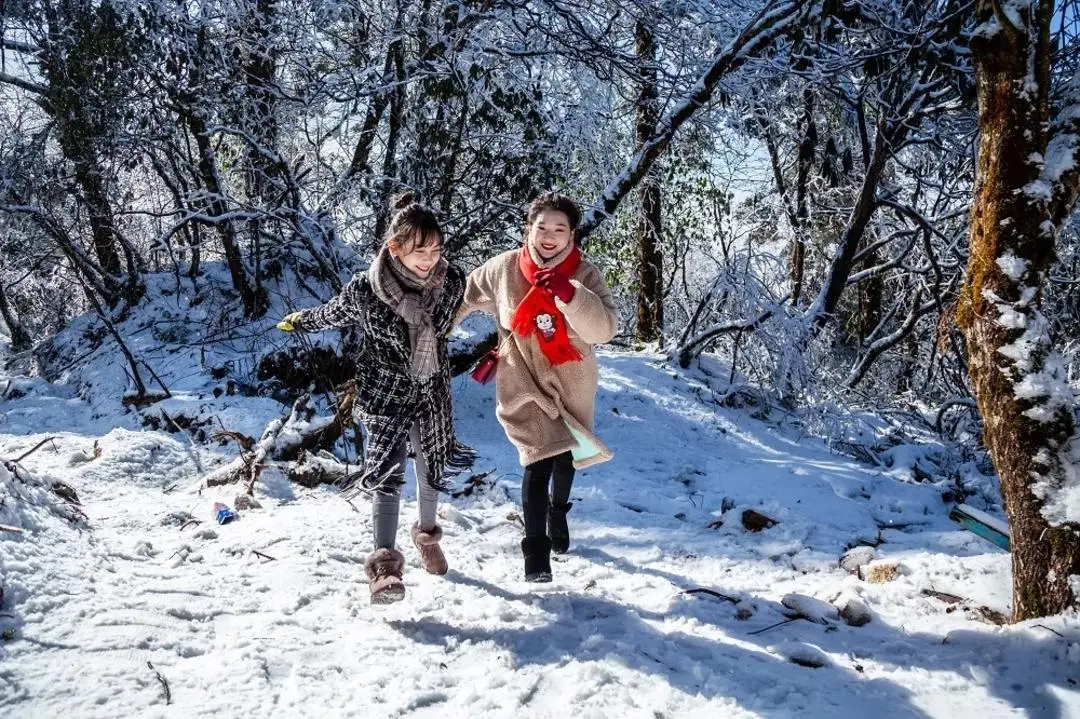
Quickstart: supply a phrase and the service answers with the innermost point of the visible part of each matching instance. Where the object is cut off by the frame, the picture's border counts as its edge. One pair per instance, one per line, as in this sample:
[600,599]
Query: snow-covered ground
[95,612]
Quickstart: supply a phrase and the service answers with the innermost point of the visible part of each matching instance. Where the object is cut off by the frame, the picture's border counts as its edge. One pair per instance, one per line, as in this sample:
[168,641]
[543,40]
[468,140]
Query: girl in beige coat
[551,306]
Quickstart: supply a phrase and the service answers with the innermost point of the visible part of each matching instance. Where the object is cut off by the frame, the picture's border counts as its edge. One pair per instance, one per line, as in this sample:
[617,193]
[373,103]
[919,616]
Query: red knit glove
[556,284]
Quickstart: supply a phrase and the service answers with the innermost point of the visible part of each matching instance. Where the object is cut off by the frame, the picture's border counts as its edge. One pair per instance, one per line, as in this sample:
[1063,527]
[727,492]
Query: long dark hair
[411,218]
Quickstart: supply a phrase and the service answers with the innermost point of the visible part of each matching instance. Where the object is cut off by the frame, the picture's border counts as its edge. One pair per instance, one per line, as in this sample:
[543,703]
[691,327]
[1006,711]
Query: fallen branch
[472,484]
[256,470]
[311,470]
[282,441]
[70,509]
[257,553]
[164,684]
[245,443]
[35,448]
[774,626]
[965,402]
[711,593]
[66,492]
[943,596]
[7,528]
[343,419]
[1043,626]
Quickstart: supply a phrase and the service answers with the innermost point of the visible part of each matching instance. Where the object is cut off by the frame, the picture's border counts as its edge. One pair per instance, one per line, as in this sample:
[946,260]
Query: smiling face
[550,233]
[419,254]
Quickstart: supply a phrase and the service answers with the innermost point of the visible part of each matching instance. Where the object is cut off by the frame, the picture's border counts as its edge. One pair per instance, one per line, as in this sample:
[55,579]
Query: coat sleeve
[592,313]
[456,284]
[343,310]
[479,293]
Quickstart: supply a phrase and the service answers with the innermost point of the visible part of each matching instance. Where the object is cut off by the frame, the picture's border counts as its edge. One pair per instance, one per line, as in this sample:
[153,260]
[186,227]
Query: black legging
[557,471]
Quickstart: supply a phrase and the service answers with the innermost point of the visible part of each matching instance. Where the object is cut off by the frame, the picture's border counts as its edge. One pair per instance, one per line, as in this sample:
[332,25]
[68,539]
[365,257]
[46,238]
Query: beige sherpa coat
[537,403]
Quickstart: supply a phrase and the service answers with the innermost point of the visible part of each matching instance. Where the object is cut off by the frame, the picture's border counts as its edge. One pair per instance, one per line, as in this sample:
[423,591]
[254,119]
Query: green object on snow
[982,524]
[585,449]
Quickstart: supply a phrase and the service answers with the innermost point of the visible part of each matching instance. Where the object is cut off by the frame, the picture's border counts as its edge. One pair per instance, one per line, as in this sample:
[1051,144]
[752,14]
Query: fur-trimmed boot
[384,567]
[557,529]
[537,552]
[431,555]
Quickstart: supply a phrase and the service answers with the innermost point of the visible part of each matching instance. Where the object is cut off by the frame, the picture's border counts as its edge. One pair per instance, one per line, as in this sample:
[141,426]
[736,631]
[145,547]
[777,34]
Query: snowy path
[236,634]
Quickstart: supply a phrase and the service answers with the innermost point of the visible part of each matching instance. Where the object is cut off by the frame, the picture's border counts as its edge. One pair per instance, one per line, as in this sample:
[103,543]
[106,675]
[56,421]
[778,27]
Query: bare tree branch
[772,23]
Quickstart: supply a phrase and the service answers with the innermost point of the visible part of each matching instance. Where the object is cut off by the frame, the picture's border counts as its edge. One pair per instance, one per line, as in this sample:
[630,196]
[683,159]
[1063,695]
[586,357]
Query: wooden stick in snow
[774,626]
[711,593]
[35,448]
[164,684]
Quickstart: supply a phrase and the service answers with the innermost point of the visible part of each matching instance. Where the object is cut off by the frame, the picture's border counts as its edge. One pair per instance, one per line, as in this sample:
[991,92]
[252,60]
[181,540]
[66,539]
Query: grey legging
[386,503]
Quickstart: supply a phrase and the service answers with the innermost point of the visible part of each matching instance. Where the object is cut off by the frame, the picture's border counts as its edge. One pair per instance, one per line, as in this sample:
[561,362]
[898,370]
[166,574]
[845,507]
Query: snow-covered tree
[1026,186]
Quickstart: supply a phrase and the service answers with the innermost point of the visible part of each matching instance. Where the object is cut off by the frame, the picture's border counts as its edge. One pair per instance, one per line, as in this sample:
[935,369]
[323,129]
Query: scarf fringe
[561,354]
[523,322]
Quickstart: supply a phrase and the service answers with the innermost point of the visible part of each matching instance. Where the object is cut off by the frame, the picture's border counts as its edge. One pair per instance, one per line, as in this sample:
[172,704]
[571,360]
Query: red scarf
[537,314]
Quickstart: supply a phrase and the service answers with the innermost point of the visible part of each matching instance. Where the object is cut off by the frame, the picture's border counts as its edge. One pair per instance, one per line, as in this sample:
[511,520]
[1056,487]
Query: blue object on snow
[223,514]
[988,527]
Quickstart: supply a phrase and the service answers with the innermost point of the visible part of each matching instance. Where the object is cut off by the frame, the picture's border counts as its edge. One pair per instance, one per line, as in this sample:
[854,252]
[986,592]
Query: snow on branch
[771,23]
[17,46]
[879,346]
[1060,174]
[22,84]
[694,346]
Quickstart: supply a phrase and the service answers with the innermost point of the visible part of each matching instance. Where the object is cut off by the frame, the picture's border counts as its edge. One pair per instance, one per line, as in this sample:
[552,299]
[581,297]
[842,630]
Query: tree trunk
[871,297]
[650,269]
[20,338]
[370,129]
[394,121]
[261,123]
[807,147]
[1023,397]
[195,266]
[66,104]
[797,212]
[98,211]
[253,307]
[844,259]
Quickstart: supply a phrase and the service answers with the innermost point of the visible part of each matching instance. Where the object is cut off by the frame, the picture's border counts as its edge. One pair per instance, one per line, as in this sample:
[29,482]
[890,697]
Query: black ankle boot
[537,552]
[557,529]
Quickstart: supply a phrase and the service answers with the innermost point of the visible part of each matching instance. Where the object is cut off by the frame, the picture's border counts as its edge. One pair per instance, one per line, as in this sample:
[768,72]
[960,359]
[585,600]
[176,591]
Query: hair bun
[402,200]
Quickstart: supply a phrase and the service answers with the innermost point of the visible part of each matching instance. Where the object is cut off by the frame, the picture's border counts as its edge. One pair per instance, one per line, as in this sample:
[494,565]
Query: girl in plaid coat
[405,303]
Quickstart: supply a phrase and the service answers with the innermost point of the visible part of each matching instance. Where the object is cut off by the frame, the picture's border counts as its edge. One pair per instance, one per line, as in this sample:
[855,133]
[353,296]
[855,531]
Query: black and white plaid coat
[389,399]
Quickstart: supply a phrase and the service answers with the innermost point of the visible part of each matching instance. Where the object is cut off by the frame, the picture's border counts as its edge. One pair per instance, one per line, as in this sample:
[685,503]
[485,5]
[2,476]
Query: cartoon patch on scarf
[546,324]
